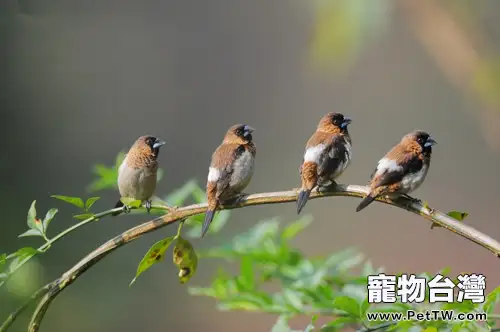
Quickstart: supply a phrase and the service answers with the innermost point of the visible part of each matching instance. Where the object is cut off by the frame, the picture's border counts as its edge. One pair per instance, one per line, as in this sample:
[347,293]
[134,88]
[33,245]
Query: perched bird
[137,173]
[231,169]
[327,155]
[402,170]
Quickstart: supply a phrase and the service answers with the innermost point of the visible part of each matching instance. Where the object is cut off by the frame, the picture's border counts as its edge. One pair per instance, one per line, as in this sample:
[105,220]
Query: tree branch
[436,217]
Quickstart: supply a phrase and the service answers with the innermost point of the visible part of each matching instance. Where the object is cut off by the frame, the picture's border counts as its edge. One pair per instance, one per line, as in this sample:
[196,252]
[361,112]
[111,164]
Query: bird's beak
[346,122]
[249,129]
[158,143]
[430,142]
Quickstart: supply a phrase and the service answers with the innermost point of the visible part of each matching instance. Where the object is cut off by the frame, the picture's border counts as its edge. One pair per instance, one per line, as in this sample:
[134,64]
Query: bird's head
[420,140]
[239,134]
[334,122]
[148,146]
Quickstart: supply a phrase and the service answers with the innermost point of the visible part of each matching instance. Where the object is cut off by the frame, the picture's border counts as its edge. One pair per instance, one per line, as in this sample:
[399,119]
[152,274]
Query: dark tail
[209,215]
[302,199]
[365,202]
[118,204]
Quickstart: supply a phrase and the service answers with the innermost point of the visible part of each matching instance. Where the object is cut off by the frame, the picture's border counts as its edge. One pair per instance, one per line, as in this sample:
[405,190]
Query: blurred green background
[82,79]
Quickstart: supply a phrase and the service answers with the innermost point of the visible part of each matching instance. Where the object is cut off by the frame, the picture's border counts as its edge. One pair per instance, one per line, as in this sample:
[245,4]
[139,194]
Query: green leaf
[31,232]
[48,218]
[293,299]
[184,256]
[76,201]
[491,300]
[347,304]
[364,307]
[338,323]
[290,231]
[247,272]
[238,304]
[3,262]
[431,329]
[154,255]
[90,201]
[20,255]
[131,202]
[32,223]
[458,215]
[83,216]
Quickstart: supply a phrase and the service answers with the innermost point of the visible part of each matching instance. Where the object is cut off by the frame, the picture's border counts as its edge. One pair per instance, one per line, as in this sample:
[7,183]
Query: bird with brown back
[231,169]
[137,174]
[402,170]
[327,155]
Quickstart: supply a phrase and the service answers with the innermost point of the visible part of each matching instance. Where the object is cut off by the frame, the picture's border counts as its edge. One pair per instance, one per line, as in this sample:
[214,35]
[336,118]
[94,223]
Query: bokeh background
[80,80]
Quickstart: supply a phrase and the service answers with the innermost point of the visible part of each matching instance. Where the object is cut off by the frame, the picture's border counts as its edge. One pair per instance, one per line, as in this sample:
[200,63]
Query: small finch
[137,175]
[402,170]
[327,155]
[231,169]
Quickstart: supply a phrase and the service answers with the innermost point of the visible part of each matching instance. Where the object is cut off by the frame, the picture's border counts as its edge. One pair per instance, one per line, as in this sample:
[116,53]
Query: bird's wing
[223,160]
[392,170]
[334,155]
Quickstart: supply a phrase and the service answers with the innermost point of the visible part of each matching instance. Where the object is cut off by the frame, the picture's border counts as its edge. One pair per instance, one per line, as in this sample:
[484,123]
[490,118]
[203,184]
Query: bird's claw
[148,206]
[126,209]
[413,199]
[237,199]
[328,187]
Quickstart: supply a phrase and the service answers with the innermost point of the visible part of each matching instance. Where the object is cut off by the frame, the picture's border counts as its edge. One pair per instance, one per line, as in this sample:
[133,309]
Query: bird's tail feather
[209,216]
[365,202]
[117,205]
[302,199]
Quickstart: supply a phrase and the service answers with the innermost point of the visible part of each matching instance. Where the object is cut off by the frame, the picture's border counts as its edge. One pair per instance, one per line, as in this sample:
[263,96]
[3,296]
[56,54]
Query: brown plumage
[137,174]
[402,170]
[327,155]
[231,169]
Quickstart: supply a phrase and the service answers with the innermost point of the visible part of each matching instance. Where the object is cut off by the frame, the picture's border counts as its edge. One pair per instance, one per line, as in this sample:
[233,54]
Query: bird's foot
[147,205]
[412,199]
[323,188]
[407,200]
[236,200]
[126,209]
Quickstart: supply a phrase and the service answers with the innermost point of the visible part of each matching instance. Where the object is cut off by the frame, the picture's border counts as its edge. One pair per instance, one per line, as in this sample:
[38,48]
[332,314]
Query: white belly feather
[242,171]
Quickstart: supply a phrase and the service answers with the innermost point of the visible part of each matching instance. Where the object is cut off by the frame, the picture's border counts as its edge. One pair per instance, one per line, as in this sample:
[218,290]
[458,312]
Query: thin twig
[12,317]
[43,248]
[174,216]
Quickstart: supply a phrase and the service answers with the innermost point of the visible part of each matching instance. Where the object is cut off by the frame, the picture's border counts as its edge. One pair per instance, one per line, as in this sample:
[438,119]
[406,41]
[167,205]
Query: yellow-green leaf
[48,218]
[90,201]
[83,216]
[76,201]
[131,202]
[32,216]
[185,258]
[458,215]
[296,227]
[154,255]
[430,329]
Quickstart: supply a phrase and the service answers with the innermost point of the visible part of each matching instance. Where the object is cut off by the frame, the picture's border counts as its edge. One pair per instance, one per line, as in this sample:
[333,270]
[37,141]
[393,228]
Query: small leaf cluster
[184,255]
[10,263]
[331,289]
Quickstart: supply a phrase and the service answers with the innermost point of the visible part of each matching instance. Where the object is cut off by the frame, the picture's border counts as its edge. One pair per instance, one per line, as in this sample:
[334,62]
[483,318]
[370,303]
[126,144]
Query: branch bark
[436,217]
